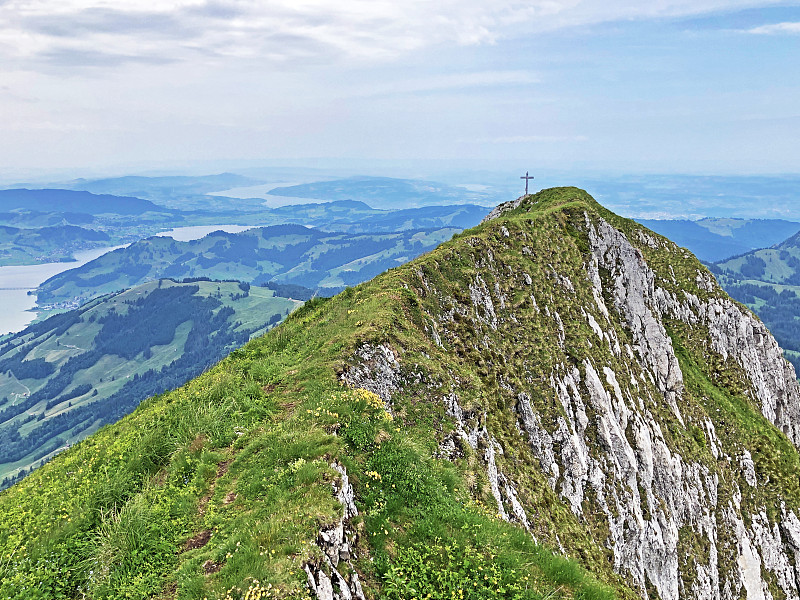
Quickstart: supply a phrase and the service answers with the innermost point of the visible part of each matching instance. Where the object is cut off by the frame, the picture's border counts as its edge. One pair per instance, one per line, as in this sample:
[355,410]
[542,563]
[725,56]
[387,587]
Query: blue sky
[616,86]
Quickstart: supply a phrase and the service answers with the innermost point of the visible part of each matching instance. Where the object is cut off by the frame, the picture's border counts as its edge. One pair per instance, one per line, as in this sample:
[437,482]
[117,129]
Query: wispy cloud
[38,34]
[532,139]
[776,29]
[443,83]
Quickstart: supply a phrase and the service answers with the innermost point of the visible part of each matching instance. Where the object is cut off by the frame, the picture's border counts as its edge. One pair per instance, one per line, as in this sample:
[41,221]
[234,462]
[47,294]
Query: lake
[17,281]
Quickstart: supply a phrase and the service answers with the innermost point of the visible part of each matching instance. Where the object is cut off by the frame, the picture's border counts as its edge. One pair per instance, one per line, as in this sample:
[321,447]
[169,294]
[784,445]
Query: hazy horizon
[95,88]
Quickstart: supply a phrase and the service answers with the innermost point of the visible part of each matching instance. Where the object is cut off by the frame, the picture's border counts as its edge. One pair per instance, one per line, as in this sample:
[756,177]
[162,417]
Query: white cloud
[776,29]
[54,34]
[531,139]
[441,83]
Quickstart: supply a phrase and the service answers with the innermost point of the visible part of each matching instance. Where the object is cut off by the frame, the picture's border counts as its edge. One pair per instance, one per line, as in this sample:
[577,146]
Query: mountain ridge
[75,201]
[558,373]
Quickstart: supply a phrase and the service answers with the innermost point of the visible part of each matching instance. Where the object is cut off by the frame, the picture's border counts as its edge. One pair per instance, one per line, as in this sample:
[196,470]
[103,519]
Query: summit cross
[526,178]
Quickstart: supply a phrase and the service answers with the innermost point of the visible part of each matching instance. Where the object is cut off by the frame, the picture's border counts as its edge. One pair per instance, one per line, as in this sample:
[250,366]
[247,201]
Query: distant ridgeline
[49,225]
[282,254]
[78,220]
[386,192]
[69,201]
[716,239]
[62,378]
[46,244]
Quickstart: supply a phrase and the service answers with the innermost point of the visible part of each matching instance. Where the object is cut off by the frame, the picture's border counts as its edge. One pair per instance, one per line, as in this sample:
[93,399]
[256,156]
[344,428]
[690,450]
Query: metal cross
[526,178]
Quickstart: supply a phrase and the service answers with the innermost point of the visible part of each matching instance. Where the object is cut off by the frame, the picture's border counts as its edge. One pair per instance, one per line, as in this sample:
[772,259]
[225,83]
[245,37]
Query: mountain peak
[547,198]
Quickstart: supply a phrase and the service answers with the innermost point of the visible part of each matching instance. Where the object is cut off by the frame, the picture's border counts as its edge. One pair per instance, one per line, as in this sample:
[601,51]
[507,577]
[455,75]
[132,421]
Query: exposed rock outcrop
[325,580]
[613,424]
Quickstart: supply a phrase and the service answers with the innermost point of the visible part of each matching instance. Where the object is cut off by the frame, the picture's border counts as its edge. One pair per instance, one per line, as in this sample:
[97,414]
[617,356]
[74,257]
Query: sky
[691,86]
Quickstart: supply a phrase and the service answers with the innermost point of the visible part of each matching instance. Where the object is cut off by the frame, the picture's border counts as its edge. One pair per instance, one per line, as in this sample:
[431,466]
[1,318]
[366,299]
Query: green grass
[252,467]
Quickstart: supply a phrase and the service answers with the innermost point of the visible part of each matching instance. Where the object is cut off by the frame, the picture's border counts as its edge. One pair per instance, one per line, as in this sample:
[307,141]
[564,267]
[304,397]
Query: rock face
[325,580]
[612,370]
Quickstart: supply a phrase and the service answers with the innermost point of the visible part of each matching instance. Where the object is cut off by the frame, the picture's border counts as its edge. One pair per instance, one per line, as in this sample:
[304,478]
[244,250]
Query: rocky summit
[558,403]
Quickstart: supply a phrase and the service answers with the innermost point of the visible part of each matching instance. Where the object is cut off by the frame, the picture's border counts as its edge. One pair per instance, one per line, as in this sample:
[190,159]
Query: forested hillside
[768,282]
[62,378]
[286,254]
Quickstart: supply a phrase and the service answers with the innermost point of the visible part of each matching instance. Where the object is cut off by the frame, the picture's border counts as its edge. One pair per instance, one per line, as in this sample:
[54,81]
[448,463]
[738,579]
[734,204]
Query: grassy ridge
[219,489]
[240,458]
[223,485]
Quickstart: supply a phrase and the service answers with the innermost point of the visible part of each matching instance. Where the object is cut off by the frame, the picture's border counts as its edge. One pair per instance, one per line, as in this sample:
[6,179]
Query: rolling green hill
[555,382]
[768,282]
[287,254]
[357,217]
[48,225]
[62,378]
[46,244]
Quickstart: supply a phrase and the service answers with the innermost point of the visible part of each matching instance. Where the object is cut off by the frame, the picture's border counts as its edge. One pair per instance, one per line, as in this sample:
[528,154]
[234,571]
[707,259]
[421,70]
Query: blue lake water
[16,281]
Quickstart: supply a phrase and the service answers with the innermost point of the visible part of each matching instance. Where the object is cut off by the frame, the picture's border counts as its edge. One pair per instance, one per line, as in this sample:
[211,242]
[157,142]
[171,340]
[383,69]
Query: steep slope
[558,370]
[64,377]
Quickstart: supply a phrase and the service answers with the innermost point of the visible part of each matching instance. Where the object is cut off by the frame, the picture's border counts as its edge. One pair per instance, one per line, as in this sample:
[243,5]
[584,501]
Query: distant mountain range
[714,239]
[174,191]
[386,192]
[288,254]
[54,200]
[118,220]
[653,196]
